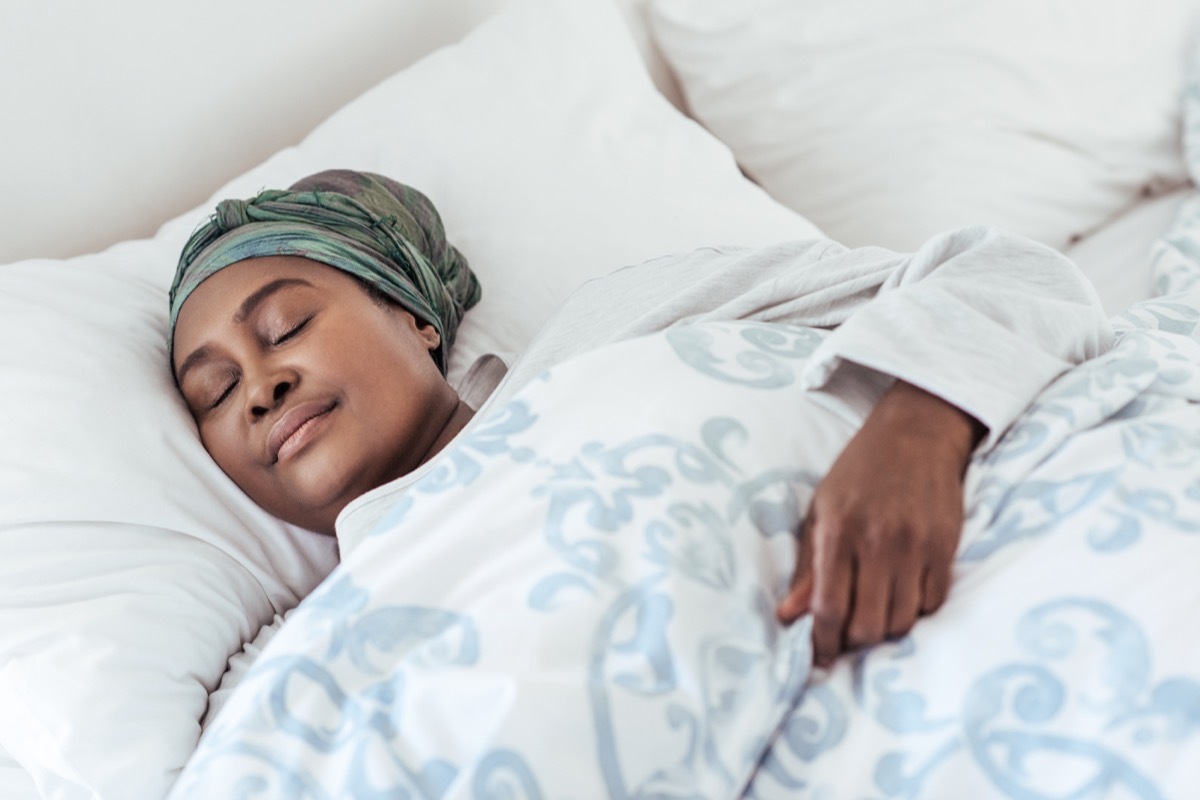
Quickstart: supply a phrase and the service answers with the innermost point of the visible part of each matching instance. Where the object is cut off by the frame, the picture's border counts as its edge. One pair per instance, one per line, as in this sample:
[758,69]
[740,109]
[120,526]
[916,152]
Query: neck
[457,420]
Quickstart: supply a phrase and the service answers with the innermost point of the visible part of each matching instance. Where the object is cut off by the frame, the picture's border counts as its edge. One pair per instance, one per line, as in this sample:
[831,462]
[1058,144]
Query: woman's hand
[880,536]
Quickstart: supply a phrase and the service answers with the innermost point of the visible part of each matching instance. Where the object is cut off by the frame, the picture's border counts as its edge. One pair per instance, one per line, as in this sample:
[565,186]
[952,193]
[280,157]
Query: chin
[322,495]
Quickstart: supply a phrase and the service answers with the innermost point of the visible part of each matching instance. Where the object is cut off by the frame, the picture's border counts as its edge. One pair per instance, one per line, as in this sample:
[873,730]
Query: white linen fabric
[887,122]
[1057,667]
[1117,258]
[559,609]
[980,317]
[239,663]
[1175,256]
[596,560]
[522,587]
[130,566]
[15,783]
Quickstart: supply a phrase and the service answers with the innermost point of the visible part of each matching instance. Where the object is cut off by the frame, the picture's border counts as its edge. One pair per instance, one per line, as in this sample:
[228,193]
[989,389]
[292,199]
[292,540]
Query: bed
[140,591]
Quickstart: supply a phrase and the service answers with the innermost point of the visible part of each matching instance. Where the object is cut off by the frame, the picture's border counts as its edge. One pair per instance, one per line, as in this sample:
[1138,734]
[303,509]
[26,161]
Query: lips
[294,428]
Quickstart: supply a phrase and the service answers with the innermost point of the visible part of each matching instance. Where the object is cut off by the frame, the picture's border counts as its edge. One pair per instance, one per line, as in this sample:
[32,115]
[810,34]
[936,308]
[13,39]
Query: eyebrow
[197,355]
[256,298]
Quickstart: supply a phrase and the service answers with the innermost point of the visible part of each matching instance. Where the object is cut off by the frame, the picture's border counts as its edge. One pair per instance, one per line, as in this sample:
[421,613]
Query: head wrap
[385,233]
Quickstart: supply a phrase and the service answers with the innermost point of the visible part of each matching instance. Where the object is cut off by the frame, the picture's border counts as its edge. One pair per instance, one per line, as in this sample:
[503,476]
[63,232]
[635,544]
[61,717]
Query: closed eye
[224,395]
[291,332]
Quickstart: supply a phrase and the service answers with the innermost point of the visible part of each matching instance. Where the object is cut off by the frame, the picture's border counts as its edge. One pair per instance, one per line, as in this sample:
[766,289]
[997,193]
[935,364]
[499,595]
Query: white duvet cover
[584,609]
[1064,664]
[578,600]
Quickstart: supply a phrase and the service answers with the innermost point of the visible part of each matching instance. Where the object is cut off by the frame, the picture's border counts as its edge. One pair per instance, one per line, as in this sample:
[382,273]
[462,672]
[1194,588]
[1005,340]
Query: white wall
[119,116]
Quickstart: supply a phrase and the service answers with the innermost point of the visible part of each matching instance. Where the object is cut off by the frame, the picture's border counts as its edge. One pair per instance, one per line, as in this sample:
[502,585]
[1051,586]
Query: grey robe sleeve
[979,317]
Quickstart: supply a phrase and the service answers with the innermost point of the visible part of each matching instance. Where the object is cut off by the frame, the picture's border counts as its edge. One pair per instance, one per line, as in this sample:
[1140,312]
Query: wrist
[919,413]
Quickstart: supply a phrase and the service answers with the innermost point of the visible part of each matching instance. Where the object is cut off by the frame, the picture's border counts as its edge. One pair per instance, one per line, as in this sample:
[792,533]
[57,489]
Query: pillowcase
[130,566]
[888,122]
[15,783]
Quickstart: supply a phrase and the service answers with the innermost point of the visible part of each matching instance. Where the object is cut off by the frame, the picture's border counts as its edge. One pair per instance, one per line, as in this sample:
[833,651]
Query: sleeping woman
[311,331]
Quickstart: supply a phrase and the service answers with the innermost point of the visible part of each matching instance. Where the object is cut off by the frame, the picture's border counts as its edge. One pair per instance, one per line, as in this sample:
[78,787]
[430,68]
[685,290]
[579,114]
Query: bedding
[637,626]
[887,122]
[1057,668]
[131,568]
[15,783]
[1077,557]
[612,586]
[1117,257]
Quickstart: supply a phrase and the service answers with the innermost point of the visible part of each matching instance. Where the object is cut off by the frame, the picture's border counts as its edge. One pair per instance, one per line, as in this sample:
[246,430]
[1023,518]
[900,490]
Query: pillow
[1115,257]
[888,122]
[130,567]
[15,783]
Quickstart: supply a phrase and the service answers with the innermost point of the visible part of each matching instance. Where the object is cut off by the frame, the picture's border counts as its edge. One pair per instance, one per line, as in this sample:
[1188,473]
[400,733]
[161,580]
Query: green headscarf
[380,231]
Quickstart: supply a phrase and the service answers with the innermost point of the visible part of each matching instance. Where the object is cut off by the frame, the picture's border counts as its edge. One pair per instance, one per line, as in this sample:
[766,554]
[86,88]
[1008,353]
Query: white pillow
[15,783]
[886,122]
[130,567]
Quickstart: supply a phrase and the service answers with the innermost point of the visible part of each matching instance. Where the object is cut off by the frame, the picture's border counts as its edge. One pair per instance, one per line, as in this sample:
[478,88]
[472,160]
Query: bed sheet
[15,782]
[1116,256]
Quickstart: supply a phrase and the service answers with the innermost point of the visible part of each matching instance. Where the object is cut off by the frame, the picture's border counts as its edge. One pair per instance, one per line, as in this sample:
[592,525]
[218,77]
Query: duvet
[578,600]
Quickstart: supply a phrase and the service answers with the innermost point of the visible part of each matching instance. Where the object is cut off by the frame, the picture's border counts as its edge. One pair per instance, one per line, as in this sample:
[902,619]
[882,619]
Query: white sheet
[15,783]
[1116,256]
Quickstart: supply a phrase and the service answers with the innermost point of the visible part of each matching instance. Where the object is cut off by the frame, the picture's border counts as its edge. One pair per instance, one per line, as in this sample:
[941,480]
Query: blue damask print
[764,365]
[1009,715]
[462,465]
[301,691]
[593,497]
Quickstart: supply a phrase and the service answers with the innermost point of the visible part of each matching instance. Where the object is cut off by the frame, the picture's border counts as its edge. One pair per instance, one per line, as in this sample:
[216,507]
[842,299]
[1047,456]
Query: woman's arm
[980,317]
[980,320]
[880,535]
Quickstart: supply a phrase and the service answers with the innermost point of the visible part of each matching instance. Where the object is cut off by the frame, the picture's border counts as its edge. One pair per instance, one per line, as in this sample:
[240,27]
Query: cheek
[384,370]
[230,449]
[233,454]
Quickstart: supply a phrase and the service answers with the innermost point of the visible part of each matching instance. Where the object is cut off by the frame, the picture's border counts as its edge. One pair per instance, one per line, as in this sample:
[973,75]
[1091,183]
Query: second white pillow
[888,122]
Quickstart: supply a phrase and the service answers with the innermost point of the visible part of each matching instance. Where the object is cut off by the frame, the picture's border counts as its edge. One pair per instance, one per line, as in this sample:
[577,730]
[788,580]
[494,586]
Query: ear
[427,334]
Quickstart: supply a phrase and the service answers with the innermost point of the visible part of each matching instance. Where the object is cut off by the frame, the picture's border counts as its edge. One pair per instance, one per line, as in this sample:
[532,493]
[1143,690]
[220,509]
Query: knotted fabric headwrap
[380,231]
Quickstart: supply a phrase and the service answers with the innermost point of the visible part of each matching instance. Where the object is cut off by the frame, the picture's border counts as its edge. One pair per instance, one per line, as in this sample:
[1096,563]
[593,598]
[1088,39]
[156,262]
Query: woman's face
[307,392]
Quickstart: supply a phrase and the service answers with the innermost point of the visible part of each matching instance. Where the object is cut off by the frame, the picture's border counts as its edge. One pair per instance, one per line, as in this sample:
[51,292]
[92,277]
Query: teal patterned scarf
[385,233]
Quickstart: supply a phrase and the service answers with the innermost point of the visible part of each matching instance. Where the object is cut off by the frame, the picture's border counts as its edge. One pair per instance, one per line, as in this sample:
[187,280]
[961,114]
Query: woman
[310,331]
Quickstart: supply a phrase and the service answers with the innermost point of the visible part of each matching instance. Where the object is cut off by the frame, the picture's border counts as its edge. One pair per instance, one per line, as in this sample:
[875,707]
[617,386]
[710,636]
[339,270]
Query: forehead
[215,301]
[224,291]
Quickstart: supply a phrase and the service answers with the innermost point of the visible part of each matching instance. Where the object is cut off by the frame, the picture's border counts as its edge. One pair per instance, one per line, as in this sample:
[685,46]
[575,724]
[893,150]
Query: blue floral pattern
[1063,664]
[608,585]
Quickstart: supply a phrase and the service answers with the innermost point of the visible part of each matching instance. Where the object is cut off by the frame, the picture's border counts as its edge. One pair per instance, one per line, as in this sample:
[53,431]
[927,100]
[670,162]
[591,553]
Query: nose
[269,390]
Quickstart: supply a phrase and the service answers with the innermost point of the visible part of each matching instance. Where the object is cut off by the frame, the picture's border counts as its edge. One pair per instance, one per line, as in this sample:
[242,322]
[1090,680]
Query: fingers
[906,601]
[861,596]
[799,596]
[907,576]
[887,593]
[935,582]
[935,585]
[872,599]
[833,584]
[864,584]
